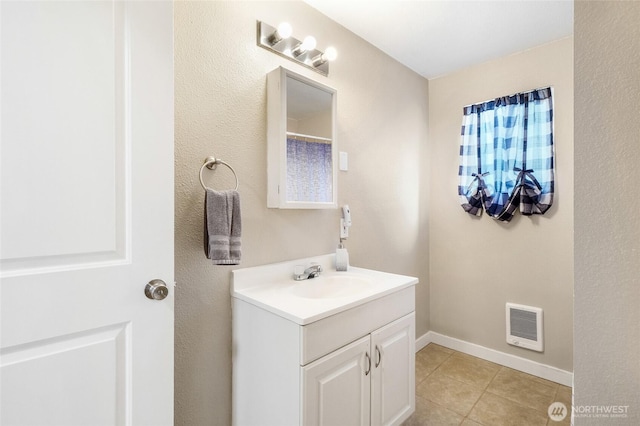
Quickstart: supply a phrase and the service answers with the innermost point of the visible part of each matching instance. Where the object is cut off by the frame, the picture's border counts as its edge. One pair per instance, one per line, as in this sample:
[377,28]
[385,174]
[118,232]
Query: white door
[86,212]
[337,387]
[393,376]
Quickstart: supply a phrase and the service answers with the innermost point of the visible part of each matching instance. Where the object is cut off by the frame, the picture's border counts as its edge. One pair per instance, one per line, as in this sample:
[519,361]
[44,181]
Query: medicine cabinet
[301,142]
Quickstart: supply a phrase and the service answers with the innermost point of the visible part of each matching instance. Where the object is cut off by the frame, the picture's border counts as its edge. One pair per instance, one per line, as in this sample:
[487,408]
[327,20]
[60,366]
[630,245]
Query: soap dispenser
[342,257]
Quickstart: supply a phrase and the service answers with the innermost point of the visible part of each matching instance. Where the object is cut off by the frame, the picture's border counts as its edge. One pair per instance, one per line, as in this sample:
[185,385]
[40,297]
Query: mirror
[301,150]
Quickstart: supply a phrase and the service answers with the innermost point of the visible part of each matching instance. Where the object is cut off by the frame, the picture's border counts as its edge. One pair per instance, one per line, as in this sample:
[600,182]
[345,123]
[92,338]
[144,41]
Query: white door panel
[40,373]
[86,212]
[66,125]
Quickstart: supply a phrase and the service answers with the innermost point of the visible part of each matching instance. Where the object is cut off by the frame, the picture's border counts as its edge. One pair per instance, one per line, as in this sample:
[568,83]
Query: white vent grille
[524,326]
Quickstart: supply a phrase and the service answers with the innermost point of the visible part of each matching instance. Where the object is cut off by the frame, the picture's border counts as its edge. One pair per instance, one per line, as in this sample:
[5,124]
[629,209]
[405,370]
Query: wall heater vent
[524,326]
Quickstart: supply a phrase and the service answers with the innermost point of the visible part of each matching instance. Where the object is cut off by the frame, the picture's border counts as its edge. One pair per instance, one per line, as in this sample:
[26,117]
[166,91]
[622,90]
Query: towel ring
[211,163]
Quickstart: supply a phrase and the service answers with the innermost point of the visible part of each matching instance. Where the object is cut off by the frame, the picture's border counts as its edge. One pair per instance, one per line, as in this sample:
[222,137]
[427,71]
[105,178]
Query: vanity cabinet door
[336,388]
[393,373]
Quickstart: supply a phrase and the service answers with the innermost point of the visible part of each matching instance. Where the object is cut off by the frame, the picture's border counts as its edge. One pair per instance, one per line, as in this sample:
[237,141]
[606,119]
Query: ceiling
[437,37]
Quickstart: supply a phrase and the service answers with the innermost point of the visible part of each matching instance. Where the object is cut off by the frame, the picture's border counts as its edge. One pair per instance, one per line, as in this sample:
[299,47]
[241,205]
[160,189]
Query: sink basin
[330,287]
[272,288]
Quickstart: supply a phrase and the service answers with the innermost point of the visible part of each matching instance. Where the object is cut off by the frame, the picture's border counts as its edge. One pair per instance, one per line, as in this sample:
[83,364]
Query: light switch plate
[344,161]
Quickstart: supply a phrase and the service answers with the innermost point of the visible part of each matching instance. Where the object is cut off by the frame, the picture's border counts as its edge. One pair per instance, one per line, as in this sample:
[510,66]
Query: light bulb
[309,43]
[285,30]
[330,54]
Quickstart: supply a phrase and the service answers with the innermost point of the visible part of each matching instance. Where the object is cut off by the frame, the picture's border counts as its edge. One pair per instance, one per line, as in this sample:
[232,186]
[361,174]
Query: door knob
[156,290]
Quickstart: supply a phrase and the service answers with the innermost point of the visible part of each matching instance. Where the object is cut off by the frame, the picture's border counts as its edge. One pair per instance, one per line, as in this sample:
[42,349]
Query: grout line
[484,391]
[465,384]
[493,378]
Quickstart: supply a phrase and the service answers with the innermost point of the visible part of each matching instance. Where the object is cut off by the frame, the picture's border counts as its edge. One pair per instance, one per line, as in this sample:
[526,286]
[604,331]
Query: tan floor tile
[564,395]
[565,422]
[523,389]
[428,359]
[451,385]
[497,411]
[470,370]
[541,380]
[428,413]
[439,347]
[449,393]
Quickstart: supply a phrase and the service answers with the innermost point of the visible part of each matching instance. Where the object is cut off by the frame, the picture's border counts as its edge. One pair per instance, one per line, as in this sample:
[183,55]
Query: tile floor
[453,388]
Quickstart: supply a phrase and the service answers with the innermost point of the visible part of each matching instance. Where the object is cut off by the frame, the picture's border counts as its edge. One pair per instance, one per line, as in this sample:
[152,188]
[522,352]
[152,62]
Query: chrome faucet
[311,272]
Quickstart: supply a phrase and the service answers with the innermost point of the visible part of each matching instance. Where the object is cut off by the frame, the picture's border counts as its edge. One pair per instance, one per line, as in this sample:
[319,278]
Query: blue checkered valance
[506,155]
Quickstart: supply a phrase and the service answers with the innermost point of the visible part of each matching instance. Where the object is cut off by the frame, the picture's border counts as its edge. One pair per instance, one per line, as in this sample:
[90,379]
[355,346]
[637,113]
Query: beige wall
[220,92]
[607,242]
[479,264]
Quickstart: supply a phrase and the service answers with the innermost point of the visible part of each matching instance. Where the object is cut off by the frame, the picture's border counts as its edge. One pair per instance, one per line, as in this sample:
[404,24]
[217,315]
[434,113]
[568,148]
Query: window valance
[506,155]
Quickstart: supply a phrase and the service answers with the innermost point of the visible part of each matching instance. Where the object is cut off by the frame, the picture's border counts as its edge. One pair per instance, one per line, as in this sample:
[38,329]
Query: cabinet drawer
[328,334]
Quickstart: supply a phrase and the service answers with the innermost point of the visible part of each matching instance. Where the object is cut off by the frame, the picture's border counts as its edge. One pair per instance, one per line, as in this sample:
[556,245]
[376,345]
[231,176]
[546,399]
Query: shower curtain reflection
[309,170]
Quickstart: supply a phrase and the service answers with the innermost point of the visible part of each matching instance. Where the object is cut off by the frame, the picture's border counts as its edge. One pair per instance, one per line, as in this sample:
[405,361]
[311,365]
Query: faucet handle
[316,266]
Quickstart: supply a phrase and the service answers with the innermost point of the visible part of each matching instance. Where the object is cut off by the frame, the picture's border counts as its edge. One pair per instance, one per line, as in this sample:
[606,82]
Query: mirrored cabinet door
[301,163]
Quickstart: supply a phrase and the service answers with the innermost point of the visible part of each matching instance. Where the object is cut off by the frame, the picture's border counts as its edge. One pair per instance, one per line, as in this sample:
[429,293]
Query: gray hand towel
[222,227]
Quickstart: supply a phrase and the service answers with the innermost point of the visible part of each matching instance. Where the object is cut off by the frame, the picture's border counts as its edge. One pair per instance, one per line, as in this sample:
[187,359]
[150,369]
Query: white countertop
[273,288]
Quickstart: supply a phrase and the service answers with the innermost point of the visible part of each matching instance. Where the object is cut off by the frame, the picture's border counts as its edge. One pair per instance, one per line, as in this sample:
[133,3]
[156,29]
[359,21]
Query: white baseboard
[423,340]
[512,361]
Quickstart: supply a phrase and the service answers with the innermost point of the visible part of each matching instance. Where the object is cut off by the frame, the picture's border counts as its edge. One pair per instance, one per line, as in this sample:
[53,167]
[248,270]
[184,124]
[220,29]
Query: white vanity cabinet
[368,382]
[324,361]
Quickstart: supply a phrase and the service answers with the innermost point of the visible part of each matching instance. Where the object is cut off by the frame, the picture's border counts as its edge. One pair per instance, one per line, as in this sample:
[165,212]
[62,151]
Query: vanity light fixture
[279,40]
